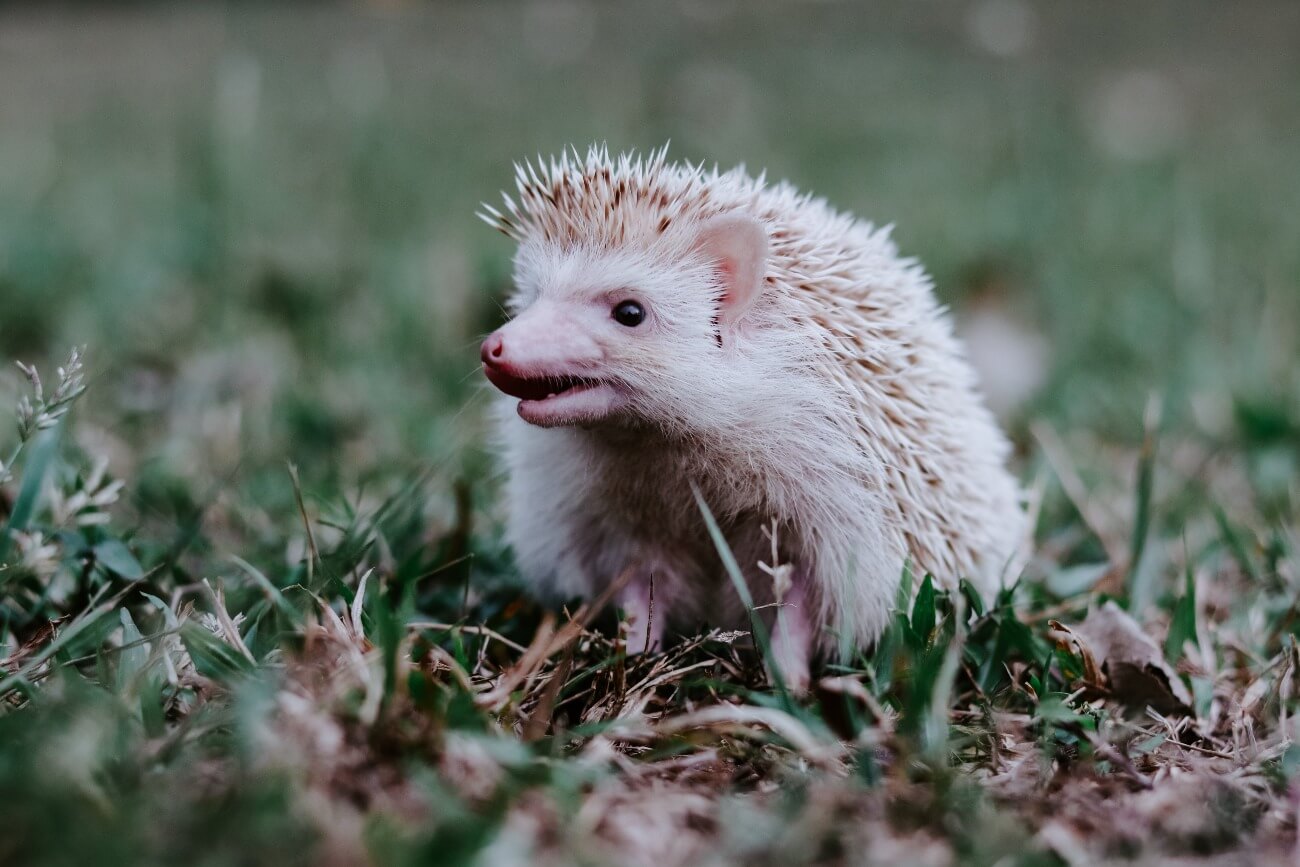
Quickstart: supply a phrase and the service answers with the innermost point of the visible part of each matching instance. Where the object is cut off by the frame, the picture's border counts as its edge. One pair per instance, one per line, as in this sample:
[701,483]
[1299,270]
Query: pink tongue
[524,389]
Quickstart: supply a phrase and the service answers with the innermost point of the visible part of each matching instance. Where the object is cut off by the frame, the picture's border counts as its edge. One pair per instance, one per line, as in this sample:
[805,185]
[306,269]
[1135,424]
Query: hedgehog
[694,357]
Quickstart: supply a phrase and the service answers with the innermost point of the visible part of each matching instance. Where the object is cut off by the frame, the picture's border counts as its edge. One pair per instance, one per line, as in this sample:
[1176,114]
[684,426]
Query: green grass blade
[923,612]
[1138,585]
[1236,544]
[38,464]
[937,719]
[1182,626]
[742,590]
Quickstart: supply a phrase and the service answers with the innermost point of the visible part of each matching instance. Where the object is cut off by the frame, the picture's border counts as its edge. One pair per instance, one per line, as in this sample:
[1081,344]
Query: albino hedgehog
[678,330]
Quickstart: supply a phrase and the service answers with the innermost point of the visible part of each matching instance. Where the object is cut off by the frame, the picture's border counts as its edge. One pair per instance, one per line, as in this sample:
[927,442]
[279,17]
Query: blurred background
[259,218]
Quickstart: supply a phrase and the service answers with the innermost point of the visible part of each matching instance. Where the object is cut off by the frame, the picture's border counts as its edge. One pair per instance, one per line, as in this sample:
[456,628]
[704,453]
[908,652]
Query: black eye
[629,314]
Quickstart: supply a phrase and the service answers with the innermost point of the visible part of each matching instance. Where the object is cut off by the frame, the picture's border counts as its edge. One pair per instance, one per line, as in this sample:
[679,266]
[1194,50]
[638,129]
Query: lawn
[255,607]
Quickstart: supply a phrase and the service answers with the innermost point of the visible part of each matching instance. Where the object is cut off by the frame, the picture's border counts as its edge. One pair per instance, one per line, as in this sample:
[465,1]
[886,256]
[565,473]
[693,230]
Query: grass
[254,602]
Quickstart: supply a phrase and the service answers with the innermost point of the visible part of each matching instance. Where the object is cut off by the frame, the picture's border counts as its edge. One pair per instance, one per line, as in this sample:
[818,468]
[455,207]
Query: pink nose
[493,349]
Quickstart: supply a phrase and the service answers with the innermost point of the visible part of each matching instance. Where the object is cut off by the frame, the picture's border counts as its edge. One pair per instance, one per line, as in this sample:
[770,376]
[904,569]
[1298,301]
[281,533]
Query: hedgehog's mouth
[551,401]
[536,387]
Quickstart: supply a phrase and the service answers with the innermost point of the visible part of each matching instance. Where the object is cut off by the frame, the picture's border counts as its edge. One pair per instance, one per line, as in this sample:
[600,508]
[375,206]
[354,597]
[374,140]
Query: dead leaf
[1064,638]
[1135,668]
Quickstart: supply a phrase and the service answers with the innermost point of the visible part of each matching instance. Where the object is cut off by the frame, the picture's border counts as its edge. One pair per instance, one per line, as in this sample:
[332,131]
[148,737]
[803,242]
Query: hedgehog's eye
[629,314]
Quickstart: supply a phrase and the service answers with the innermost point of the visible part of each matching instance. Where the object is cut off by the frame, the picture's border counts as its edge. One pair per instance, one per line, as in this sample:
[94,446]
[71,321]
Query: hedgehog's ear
[738,244]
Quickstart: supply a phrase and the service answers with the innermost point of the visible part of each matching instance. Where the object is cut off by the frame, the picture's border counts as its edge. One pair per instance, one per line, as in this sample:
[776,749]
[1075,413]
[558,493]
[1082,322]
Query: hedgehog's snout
[545,339]
[493,348]
[547,358]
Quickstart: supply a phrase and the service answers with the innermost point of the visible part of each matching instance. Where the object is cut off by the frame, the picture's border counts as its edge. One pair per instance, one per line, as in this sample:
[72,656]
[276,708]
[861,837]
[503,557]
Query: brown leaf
[1064,638]
[1134,666]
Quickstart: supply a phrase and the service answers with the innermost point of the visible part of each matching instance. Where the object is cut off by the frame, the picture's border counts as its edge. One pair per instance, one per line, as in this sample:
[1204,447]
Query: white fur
[839,405]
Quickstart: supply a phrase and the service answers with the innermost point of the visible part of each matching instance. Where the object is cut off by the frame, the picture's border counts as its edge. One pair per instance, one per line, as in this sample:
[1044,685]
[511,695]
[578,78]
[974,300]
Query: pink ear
[739,246]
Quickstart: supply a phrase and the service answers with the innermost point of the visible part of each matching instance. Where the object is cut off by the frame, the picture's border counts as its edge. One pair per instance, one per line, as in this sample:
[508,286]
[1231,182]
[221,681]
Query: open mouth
[536,388]
[556,401]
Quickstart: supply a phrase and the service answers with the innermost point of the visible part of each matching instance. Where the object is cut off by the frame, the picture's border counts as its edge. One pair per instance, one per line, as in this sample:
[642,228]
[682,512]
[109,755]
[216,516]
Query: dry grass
[1028,732]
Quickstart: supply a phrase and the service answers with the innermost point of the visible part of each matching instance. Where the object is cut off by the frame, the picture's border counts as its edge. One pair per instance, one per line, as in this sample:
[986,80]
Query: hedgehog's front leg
[645,625]
[793,635]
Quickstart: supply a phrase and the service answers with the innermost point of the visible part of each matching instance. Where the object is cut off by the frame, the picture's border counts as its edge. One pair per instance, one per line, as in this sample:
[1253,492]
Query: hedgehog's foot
[792,639]
[643,624]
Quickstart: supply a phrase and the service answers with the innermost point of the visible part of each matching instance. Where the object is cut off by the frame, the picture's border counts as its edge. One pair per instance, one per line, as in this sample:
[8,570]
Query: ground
[254,602]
